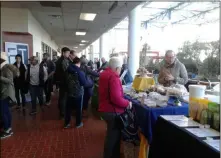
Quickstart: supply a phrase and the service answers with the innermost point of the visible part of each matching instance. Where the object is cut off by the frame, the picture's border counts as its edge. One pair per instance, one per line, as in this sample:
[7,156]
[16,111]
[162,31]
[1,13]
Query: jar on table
[206,117]
[216,121]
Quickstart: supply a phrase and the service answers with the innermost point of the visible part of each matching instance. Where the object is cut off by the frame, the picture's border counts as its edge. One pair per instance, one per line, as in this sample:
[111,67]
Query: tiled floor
[43,136]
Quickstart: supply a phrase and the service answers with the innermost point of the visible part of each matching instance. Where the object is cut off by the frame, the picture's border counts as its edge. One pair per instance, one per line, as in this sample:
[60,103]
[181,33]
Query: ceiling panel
[63,29]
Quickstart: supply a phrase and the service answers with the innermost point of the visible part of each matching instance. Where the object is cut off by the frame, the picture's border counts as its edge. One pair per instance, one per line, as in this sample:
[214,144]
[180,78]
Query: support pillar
[134,28]
[103,47]
[91,52]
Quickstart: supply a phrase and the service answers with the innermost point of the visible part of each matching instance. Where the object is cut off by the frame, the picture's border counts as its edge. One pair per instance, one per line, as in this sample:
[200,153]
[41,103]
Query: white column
[85,52]
[134,40]
[101,46]
[91,52]
[104,46]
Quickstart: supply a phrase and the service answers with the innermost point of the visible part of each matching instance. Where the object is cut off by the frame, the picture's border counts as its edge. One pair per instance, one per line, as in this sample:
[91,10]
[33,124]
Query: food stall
[151,101]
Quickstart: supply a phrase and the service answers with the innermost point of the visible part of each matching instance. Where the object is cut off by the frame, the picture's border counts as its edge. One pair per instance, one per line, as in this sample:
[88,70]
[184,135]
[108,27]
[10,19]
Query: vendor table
[173,141]
[143,83]
[147,117]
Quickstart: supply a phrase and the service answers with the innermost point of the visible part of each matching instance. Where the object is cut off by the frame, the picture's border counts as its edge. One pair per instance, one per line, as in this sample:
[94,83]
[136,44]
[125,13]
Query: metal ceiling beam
[196,15]
[165,12]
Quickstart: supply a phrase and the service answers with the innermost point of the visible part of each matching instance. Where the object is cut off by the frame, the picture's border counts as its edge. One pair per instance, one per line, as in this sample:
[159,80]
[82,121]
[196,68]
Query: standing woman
[112,103]
[8,73]
[19,82]
[75,91]
[88,88]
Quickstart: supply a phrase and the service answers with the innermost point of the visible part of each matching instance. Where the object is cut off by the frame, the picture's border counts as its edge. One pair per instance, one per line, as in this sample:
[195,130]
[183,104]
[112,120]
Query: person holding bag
[112,105]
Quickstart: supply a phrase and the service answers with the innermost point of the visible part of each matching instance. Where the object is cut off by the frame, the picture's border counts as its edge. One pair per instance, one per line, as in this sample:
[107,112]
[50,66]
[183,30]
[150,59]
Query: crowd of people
[73,76]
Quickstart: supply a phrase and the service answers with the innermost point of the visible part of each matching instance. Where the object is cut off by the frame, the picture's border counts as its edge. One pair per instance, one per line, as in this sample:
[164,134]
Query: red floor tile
[43,136]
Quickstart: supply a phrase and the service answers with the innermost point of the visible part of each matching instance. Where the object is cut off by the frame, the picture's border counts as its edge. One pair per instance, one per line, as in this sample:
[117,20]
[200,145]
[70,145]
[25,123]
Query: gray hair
[115,62]
[169,52]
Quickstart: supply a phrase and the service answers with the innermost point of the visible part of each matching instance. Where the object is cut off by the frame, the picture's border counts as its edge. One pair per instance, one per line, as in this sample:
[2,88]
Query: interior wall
[39,35]
[19,25]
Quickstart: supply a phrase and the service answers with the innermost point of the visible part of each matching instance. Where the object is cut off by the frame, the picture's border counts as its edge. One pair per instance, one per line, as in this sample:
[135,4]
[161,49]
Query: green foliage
[190,54]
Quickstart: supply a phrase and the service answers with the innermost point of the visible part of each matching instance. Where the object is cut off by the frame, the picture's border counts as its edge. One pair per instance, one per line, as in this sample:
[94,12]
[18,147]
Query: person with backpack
[36,77]
[76,81]
[19,82]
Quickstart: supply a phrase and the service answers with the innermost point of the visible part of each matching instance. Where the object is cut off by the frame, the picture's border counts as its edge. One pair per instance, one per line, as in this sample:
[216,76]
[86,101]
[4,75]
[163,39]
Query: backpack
[74,88]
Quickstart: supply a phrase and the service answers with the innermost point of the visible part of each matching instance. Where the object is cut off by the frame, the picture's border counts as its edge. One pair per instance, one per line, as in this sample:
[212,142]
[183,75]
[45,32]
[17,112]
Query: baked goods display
[142,72]
[158,95]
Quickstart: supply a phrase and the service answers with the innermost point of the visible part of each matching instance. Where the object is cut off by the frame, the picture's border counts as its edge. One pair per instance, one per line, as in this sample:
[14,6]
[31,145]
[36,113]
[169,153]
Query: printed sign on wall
[17,48]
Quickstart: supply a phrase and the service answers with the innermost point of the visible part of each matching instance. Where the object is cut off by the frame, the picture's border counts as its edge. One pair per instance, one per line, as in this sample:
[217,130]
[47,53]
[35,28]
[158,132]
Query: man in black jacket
[60,73]
[19,82]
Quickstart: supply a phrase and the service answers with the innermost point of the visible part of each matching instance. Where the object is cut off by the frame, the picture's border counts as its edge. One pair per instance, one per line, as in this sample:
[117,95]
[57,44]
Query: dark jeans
[18,92]
[113,137]
[87,95]
[48,88]
[62,100]
[5,113]
[73,103]
[36,92]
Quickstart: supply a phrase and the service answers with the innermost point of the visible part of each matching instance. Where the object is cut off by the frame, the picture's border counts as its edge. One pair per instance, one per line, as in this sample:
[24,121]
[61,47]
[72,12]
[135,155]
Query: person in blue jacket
[75,82]
[128,77]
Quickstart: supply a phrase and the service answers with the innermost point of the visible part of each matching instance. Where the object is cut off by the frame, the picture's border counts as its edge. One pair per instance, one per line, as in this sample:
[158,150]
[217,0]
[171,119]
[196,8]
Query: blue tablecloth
[147,117]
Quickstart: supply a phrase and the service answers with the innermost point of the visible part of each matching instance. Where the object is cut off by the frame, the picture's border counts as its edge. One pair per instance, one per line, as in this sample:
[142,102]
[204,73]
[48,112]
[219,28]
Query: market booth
[171,118]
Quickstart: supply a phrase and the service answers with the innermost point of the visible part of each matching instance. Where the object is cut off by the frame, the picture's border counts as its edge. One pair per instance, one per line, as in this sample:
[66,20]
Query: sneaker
[48,103]
[5,135]
[67,126]
[9,131]
[33,113]
[80,125]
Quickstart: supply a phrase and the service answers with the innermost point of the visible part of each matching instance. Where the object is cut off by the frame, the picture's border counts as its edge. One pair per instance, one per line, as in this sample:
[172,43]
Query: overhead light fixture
[55,16]
[83,41]
[80,33]
[75,47]
[87,16]
[81,44]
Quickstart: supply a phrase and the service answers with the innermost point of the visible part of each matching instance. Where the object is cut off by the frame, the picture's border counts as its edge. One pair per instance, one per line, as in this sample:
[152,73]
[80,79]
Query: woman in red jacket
[112,102]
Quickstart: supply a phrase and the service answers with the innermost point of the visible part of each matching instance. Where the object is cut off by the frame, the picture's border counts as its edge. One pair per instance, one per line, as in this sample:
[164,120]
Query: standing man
[36,76]
[173,71]
[48,87]
[104,64]
[19,82]
[61,67]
